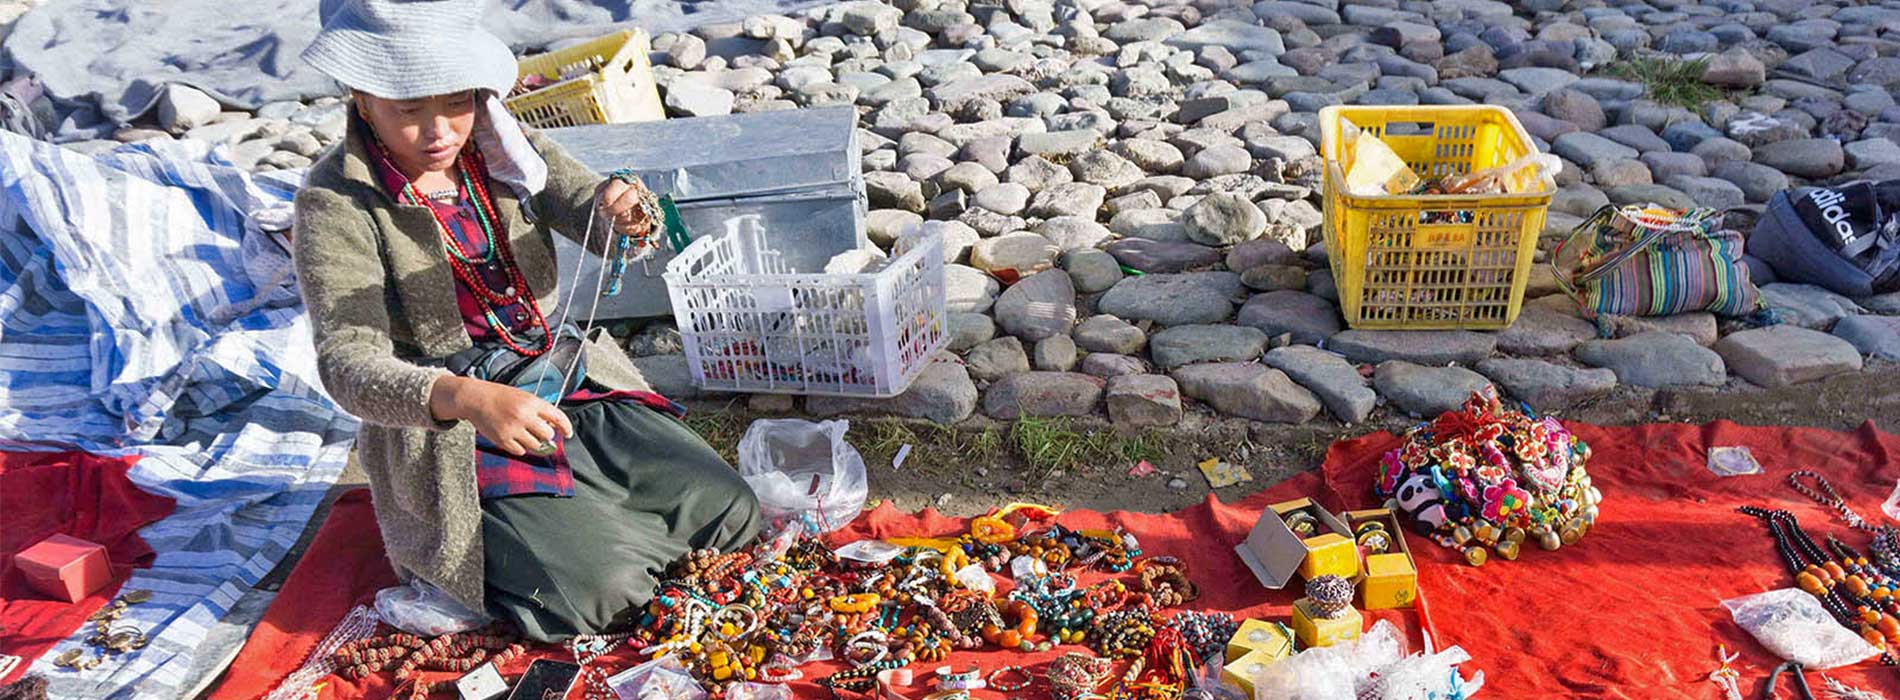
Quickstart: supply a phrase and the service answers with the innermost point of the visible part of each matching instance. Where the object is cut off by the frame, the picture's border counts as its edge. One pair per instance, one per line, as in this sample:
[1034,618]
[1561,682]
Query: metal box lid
[736,155]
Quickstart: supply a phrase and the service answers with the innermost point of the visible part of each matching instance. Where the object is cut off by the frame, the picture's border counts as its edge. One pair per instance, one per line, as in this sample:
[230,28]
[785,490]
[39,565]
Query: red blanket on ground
[71,493]
[1633,611]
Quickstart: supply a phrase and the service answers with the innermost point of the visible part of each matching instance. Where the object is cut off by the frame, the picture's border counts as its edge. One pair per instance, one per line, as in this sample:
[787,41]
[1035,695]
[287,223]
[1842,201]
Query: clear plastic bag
[804,472]
[422,609]
[1376,169]
[1793,625]
[1498,180]
[663,678]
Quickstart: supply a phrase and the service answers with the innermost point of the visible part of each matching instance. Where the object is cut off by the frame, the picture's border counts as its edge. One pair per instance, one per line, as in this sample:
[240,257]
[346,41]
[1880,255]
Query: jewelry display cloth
[70,493]
[1632,611]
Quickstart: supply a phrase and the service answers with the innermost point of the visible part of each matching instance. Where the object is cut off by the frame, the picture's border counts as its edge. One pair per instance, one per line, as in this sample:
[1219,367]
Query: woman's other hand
[514,420]
[620,203]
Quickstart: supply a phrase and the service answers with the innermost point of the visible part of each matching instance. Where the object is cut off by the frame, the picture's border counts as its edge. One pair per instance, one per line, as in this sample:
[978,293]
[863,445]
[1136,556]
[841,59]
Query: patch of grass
[1670,81]
[1046,444]
[720,428]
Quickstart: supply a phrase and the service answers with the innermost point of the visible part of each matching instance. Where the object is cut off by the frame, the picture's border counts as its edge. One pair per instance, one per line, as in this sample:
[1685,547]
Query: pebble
[1540,332]
[1248,390]
[1091,270]
[1008,199]
[1784,355]
[1655,359]
[1020,254]
[1308,318]
[182,108]
[1426,391]
[1056,353]
[1068,199]
[1039,306]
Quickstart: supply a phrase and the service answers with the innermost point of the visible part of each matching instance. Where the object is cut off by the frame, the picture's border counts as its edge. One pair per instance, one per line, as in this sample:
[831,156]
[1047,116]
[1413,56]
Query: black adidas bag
[1844,238]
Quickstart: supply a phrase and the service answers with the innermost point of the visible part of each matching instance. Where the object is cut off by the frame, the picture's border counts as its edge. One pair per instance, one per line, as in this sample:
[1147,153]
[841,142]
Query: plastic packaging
[803,472]
[663,678]
[1375,667]
[1498,180]
[1793,625]
[1377,169]
[422,609]
[1892,506]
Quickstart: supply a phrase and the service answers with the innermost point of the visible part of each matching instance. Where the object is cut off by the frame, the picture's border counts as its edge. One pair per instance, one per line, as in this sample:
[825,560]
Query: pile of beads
[410,656]
[1074,676]
[1331,595]
[1164,580]
[1206,633]
[1122,633]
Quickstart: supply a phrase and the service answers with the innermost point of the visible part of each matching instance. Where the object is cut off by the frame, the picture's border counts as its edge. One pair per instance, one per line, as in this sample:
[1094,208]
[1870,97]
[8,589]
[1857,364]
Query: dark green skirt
[646,490]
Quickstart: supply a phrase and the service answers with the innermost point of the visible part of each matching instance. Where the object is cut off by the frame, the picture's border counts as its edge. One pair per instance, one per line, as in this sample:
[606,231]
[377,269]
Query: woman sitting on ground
[423,242]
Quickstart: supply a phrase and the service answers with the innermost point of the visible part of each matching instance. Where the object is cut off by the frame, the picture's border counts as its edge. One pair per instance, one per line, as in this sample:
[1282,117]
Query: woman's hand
[620,203]
[514,420]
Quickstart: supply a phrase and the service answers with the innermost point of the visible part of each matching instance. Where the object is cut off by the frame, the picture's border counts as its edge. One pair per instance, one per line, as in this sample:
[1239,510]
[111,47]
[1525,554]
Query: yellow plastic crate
[1433,261]
[618,86]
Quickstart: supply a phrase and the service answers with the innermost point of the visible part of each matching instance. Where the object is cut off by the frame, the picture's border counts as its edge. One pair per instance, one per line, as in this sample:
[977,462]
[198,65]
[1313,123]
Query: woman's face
[422,135]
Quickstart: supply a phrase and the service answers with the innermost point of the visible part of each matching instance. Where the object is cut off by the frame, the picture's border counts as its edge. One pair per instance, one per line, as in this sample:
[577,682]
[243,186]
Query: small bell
[1476,556]
[1550,541]
[1461,535]
[1514,534]
[1572,533]
[1508,549]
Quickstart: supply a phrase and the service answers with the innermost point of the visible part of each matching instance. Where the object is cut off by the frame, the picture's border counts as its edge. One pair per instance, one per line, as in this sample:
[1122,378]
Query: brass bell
[1486,533]
[1572,533]
[1476,556]
[1508,549]
[1550,541]
[1461,535]
[1514,534]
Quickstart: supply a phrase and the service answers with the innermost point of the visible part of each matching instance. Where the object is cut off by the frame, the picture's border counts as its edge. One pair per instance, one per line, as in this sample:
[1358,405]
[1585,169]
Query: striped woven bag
[1654,261]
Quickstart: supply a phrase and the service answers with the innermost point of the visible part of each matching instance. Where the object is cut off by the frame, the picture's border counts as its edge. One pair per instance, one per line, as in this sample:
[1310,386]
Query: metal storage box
[798,170]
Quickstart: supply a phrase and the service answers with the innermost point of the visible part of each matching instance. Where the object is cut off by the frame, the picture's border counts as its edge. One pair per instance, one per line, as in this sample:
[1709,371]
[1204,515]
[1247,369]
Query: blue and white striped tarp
[146,308]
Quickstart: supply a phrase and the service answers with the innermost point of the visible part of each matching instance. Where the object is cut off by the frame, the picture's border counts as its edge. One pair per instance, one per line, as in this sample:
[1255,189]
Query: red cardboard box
[65,568]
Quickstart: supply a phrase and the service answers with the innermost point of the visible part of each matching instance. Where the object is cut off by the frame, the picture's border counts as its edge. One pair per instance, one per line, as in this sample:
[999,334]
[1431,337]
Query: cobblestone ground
[1063,142]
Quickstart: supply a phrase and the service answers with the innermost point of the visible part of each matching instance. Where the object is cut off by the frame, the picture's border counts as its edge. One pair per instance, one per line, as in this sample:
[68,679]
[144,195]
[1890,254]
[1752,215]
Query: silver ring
[545,448]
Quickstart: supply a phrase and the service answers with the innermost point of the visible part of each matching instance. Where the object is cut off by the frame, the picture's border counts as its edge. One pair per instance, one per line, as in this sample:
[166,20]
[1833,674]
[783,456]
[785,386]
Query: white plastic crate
[749,323]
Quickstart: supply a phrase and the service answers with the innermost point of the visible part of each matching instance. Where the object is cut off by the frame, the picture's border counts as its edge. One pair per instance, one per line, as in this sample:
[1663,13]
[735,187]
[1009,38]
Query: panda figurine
[1418,496]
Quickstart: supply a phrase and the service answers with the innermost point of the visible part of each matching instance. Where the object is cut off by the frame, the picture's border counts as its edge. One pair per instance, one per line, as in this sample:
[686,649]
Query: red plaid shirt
[498,473]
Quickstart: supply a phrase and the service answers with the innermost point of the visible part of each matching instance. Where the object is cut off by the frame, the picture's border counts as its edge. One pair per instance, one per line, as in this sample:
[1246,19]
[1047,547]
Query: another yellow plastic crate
[617,87]
[1433,261]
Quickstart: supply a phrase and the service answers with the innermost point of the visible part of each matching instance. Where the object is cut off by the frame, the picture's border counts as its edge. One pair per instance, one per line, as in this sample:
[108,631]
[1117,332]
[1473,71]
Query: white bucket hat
[407,49]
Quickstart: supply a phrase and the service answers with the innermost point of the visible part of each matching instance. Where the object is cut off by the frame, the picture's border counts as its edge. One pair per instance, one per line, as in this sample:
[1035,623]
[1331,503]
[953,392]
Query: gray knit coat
[376,281]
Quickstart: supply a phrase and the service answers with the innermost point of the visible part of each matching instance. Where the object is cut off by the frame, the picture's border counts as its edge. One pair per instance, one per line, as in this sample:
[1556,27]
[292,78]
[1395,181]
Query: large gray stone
[1699,326]
[1106,169]
[1237,37]
[1068,199]
[1224,219]
[182,108]
[1038,306]
[1008,199]
[1020,254]
[1174,299]
[1105,333]
[1878,336]
[1656,359]
[1055,353]
[883,226]
[1546,386]
[1248,390]
[1058,144]
[968,289]
[692,99]
[1426,391]
[1541,331]
[956,95]
[1334,380]
[1091,270]
[1108,364]
[1417,347]
[1309,319]
[1588,150]
[1809,158]
[1214,161]
[1152,224]
[1143,400]
[996,359]
[1043,394]
[1808,306]
[670,377]
[1255,253]
[1185,345]
[1162,256]
[1074,232]
[968,330]
[1781,355]
[942,393]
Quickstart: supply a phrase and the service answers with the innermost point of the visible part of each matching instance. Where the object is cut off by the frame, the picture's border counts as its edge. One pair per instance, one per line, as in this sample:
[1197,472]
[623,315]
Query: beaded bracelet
[996,682]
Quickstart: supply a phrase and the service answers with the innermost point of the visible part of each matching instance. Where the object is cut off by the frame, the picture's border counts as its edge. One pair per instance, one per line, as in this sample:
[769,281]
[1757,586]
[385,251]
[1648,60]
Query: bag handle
[1689,221]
